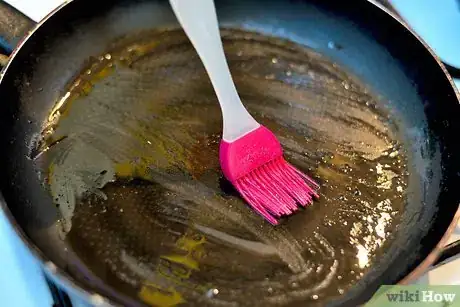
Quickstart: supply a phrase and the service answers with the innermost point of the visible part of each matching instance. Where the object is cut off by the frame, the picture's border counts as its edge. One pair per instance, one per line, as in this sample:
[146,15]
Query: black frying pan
[109,153]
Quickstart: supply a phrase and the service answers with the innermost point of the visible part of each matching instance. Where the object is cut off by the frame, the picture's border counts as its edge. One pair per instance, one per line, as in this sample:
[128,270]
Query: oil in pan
[131,153]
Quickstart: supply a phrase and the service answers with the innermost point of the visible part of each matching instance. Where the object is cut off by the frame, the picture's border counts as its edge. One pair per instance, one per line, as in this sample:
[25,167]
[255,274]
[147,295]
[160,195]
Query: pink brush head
[254,164]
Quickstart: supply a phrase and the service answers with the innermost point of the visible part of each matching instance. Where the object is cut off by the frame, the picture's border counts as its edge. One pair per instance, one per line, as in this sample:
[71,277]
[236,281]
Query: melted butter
[131,156]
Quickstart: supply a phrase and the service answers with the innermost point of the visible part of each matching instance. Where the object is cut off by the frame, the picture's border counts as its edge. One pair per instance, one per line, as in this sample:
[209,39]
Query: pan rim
[56,274]
[73,286]
[436,251]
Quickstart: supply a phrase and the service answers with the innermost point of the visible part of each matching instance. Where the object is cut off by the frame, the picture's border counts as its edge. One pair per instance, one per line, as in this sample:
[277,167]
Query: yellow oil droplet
[124,169]
[156,296]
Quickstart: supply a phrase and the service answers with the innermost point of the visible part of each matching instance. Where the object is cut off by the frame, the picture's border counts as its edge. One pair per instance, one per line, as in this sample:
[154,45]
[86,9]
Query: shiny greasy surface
[131,156]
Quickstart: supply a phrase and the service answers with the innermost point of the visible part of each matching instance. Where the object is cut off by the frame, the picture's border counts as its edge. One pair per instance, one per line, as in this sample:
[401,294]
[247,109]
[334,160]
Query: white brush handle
[198,18]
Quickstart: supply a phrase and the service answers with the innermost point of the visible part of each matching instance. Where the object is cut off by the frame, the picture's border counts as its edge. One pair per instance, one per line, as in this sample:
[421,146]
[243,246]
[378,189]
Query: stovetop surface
[21,280]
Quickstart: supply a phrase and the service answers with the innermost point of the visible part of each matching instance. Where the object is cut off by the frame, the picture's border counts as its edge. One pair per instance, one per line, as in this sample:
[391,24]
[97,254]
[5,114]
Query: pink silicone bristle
[254,202]
[254,164]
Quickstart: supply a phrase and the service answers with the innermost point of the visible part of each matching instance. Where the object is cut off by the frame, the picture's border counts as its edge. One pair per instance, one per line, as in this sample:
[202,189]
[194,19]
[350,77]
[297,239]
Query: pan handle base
[449,253]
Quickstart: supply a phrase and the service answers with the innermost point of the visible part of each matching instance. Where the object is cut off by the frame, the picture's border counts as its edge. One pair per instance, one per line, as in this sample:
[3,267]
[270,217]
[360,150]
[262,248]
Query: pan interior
[130,157]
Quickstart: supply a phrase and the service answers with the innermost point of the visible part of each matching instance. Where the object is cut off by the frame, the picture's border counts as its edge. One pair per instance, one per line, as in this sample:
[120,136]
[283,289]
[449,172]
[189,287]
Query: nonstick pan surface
[110,137]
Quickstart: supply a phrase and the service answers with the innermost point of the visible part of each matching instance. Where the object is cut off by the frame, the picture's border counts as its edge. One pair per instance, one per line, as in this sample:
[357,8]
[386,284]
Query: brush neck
[199,21]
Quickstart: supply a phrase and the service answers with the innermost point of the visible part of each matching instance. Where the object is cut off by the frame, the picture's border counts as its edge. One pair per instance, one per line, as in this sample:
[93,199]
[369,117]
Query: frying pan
[358,100]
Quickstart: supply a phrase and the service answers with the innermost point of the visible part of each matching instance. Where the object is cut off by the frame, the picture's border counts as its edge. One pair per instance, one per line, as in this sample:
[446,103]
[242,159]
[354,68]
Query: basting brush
[251,157]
